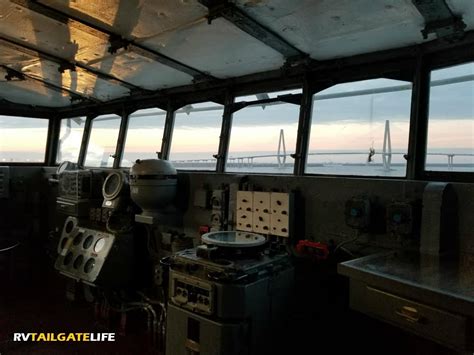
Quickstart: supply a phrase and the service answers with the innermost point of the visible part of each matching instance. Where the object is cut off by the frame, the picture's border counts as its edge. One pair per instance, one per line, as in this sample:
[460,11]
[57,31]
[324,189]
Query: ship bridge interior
[224,177]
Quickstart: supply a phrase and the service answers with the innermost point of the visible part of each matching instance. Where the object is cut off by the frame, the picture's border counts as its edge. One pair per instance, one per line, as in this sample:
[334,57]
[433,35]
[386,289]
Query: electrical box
[219,207]
[400,218]
[357,213]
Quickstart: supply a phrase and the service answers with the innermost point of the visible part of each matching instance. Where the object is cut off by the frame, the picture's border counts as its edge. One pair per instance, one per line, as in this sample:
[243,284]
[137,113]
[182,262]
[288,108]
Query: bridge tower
[387,147]
[281,154]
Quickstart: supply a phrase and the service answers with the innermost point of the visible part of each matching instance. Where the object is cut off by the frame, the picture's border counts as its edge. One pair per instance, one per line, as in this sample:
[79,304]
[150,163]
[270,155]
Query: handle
[410,314]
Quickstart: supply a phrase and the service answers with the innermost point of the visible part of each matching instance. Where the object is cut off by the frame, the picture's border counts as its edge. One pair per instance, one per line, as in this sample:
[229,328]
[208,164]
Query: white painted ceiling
[178,29]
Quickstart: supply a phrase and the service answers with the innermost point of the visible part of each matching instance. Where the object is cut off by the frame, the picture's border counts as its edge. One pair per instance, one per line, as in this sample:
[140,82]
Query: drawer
[433,323]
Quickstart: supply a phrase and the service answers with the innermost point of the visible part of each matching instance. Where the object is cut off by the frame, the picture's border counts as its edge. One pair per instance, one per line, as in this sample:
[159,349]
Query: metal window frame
[391,64]
[437,63]
[293,99]
[48,144]
[389,69]
[167,140]
[124,131]
[59,120]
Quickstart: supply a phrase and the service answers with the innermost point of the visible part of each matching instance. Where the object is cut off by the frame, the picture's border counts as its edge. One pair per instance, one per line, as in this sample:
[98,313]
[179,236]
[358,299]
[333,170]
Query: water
[340,163]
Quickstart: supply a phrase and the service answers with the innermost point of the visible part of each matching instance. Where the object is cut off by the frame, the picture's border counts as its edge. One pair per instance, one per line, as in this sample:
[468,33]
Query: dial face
[78,262]
[78,239]
[112,185]
[99,245]
[69,227]
[89,265]
[88,242]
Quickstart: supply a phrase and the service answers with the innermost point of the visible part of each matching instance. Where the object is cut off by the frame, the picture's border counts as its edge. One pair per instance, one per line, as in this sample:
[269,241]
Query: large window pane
[144,135]
[70,139]
[451,120]
[196,136]
[22,139]
[103,141]
[360,128]
[262,139]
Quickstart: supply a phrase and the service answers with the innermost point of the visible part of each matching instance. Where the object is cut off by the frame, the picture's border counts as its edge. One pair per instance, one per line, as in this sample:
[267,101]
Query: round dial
[99,245]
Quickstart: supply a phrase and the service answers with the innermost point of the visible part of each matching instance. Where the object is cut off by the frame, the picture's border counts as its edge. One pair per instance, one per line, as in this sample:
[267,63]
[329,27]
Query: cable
[347,251]
[340,245]
[10,247]
[162,320]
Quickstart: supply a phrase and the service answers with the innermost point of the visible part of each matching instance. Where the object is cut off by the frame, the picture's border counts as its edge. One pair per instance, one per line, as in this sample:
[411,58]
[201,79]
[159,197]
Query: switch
[400,218]
[358,213]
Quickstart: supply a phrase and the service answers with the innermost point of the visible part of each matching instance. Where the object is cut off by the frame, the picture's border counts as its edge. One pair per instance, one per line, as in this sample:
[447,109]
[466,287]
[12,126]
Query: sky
[353,122]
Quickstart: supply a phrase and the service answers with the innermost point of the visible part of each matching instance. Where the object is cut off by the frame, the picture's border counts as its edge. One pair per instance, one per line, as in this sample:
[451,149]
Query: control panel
[192,294]
[80,184]
[94,256]
[82,251]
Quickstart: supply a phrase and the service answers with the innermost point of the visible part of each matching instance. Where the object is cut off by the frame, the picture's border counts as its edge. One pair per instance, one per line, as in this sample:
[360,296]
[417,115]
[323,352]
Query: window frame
[47,146]
[449,176]
[88,128]
[170,125]
[293,99]
[407,64]
[396,74]
[126,116]
[59,121]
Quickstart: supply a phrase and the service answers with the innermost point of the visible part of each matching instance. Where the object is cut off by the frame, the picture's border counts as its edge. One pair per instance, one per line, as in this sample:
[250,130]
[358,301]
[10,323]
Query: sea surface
[340,162]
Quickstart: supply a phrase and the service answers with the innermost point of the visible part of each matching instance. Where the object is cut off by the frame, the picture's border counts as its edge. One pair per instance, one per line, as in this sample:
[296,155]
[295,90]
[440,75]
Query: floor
[32,299]
[35,306]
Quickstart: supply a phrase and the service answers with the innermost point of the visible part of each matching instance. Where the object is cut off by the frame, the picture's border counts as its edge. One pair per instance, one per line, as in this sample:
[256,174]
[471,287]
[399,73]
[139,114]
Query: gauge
[78,239]
[88,242]
[99,245]
[69,227]
[90,263]
[78,262]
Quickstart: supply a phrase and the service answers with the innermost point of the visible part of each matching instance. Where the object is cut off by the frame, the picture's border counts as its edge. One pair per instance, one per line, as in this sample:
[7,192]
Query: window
[70,139]
[263,137]
[451,120]
[144,135]
[360,128]
[196,132]
[23,139]
[103,140]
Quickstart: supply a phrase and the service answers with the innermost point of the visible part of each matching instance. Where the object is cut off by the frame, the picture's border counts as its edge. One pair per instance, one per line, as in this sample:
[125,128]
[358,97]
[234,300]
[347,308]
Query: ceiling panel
[31,93]
[51,36]
[140,71]
[135,18]
[14,58]
[464,8]
[79,81]
[335,28]
[220,49]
